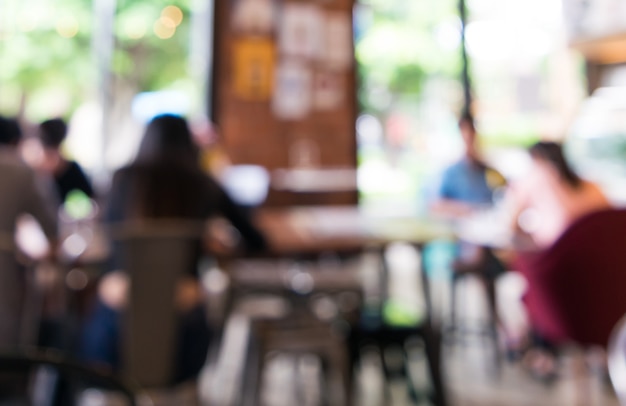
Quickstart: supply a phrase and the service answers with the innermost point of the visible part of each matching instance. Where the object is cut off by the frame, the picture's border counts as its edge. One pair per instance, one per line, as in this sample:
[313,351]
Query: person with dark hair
[165,181]
[67,174]
[21,194]
[550,197]
[468,186]
[543,203]
[469,183]
[11,133]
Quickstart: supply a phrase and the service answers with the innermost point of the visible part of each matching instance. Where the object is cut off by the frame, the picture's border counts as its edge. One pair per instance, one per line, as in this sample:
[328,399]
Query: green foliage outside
[48,64]
[399,53]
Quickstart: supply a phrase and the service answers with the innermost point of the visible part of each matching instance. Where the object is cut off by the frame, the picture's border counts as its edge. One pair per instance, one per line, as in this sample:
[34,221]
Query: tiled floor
[469,369]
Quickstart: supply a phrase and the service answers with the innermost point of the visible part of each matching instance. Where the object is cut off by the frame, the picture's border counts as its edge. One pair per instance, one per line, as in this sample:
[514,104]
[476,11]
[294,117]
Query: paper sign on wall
[301,31]
[292,93]
[328,91]
[254,16]
[338,50]
[253,68]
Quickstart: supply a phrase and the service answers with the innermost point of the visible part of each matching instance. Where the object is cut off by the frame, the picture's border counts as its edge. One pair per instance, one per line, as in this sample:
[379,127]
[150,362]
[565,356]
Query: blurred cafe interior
[313,202]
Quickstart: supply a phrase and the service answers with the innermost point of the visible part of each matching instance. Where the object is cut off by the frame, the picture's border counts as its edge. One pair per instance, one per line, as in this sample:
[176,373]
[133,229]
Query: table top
[327,277]
[315,180]
[489,228]
[310,229]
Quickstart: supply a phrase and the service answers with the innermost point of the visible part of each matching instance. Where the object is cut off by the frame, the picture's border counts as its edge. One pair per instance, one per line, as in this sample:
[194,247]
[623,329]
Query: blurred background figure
[550,197]
[166,181]
[544,204]
[68,175]
[21,194]
[468,184]
[468,187]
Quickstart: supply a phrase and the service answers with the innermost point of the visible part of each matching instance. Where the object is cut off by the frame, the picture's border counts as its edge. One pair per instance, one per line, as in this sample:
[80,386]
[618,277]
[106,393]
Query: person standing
[21,194]
[68,175]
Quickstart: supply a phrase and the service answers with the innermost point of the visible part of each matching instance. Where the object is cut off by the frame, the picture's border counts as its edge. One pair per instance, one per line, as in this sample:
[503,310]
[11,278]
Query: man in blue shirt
[469,183]
[466,186]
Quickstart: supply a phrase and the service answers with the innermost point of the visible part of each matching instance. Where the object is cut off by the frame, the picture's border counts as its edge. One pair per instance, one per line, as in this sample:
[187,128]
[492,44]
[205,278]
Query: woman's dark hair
[10,131]
[52,132]
[167,137]
[167,171]
[552,153]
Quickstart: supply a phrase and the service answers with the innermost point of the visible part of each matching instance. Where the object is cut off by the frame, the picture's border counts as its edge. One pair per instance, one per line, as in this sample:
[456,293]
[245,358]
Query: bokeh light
[173,13]
[164,27]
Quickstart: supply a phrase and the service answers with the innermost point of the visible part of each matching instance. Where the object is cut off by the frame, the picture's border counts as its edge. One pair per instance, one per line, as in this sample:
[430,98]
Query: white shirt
[545,205]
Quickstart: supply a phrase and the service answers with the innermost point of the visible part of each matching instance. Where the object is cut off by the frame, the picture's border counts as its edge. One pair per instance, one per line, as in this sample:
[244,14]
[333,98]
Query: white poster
[338,50]
[328,91]
[301,31]
[293,90]
[254,16]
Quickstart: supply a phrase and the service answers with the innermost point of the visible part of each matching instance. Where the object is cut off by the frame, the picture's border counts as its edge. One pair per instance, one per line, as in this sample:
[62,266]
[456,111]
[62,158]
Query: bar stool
[461,272]
[312,313]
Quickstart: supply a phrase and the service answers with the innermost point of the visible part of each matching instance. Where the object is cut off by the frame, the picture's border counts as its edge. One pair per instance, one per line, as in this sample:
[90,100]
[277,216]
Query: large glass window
[526,84]
[104,65]
[409,65]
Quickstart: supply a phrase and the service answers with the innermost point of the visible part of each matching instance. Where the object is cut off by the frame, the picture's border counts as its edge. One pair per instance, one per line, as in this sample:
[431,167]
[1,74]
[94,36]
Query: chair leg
[494,321]
[432,342]
[452,328]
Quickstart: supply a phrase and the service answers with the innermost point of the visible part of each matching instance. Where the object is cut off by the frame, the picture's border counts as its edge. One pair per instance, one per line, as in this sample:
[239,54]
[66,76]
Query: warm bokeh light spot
[174,13]
[67,27]
[164,28]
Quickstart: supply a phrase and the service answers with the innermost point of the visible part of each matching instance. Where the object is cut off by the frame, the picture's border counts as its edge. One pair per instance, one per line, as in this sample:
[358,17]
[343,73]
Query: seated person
[67,174]
[544,203]
[21,194]
[469,185]
[165,181]
[550,197]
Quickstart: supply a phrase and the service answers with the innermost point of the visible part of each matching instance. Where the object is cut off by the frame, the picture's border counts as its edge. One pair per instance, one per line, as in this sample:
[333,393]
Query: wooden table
[310,230]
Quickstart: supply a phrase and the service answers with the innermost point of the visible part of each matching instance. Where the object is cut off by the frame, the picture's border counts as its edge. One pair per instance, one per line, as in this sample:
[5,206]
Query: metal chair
[25,378]
[375,330]
[155,255]
[575,287]
[489,328]
[298,322]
